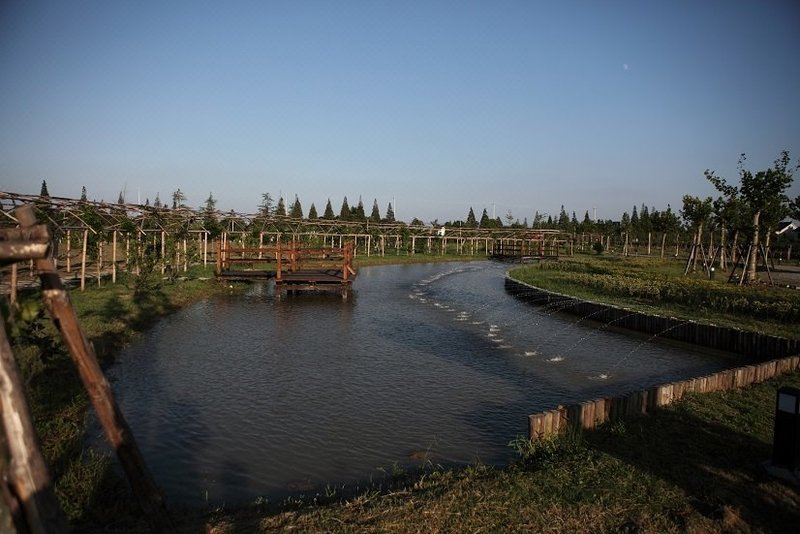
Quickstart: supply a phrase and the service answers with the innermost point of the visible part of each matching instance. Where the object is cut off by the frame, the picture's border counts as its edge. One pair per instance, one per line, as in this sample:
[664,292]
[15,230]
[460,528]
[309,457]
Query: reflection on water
[246,396]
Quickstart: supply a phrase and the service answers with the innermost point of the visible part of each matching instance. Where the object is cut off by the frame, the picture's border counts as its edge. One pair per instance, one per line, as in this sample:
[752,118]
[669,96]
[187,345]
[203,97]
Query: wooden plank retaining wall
[590,414]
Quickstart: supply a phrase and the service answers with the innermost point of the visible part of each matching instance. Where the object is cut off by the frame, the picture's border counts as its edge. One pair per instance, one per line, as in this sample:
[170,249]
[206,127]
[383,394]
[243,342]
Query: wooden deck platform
[295,268]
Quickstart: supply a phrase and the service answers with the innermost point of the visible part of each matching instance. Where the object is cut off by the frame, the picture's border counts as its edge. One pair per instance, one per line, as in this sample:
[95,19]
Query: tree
[762,193]
[210,220]
[265,208]
[471,221]
[696,213]
[563,219]
[156,202]
[625,228]
[485,219]
[344,212]
[121,198]
[358,212]
[280,210]
[587,226]
[376,212]
[328,214]
[296,212]
[312,212]
[44,192]
[178,199]
[390,214]
[83,194]
[509,218]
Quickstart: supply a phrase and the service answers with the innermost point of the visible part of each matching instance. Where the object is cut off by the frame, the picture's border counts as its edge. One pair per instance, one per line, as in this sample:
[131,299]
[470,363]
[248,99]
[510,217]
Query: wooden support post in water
[116,429]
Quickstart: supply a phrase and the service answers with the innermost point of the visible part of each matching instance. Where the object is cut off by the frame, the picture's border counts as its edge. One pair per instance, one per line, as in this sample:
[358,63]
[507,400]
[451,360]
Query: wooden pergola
[96,239]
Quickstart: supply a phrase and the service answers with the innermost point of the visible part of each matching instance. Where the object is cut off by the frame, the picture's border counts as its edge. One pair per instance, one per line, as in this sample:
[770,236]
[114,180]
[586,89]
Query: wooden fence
[591,414]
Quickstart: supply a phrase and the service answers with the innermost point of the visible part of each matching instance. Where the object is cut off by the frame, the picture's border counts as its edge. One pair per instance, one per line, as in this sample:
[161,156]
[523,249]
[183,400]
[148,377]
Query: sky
[433,106]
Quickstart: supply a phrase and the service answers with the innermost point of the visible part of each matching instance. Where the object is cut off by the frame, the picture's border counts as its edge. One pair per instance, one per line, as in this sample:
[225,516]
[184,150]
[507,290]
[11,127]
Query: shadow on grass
[720,470]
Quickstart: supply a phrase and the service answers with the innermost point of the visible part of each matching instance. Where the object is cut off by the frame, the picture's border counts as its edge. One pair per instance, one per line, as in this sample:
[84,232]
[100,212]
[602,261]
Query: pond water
[262,395]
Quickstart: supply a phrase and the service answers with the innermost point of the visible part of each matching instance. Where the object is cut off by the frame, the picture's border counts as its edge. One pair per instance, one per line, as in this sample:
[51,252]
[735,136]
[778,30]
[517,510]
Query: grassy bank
[659,287]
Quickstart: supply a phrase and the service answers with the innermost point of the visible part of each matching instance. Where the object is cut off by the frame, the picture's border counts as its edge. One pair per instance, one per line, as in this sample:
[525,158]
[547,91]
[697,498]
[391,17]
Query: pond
[267,395]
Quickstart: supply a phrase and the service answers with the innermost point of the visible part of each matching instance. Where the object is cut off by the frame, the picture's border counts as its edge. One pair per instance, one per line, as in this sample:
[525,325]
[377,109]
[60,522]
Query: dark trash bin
[786,440]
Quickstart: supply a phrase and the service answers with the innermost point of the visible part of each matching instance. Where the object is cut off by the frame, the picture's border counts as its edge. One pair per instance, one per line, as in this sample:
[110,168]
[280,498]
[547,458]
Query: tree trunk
[663,242]
[753,259]
[697,243]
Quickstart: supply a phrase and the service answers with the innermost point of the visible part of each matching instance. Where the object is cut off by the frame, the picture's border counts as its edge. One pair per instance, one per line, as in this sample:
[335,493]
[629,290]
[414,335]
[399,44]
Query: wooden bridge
[541,245]
[292,266]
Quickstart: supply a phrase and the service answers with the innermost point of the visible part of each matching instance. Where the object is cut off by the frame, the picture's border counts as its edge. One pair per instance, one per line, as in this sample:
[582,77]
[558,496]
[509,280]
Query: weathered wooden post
[83,258]
[27,471]
[116,429]
[114,258]
[13,291]
[69,241]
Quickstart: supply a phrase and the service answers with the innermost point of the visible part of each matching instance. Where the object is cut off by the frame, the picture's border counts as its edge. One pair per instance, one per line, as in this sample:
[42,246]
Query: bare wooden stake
[28,477]
[83,259]
[13,295]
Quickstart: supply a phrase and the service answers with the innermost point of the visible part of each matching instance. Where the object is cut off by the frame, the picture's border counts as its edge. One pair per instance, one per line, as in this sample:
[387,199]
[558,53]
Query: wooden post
[278,261]
[83,259]
[27,471]
[204,246]
[114,257]
[116,429]
[69,242]
[185,256]
[99,261]
[13,289]
[163,251]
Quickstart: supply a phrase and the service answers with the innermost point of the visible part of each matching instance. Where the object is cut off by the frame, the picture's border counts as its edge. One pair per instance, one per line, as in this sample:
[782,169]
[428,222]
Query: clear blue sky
[439,106]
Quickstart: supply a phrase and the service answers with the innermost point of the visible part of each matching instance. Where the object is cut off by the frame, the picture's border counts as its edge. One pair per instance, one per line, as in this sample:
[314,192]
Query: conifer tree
[44,192]
[485,221]
[390,214]
[471,221]
[345,213]
[358,212]
[312,212]
[83,194]
[265,208]
[296,211]
[376,213]
[328,214]
[281,208]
